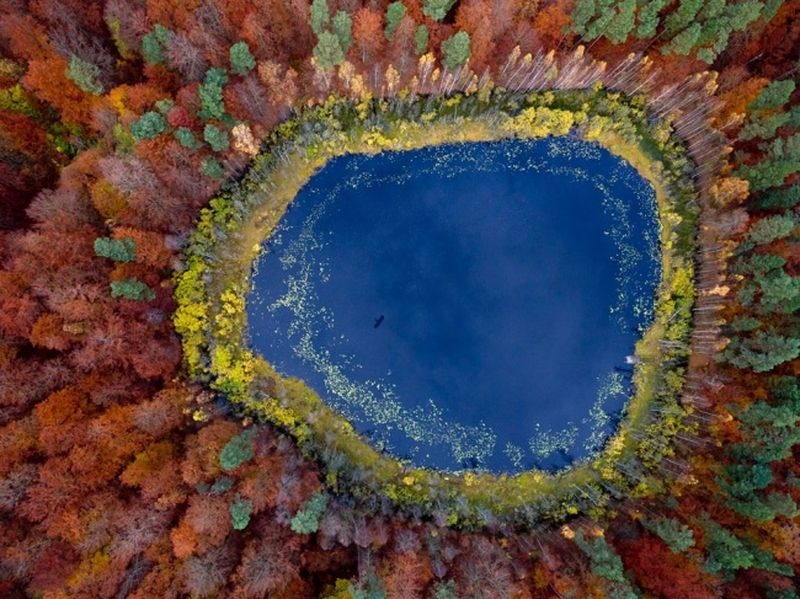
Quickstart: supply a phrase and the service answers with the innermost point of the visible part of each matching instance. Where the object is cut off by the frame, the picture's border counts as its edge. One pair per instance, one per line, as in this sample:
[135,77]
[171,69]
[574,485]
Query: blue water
[465,306]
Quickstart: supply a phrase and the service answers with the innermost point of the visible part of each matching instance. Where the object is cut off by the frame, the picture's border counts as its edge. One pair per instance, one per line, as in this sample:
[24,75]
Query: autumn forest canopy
[148,147]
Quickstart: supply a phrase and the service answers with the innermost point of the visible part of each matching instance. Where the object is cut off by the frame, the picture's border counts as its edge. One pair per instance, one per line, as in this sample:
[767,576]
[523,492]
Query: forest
[128,129]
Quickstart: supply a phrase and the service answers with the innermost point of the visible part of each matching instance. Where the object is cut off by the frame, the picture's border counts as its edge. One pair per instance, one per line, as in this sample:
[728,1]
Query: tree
[674,533]
[212,168]
[154,44]
[727,553]
[622,24]
[684,16]
[268,563]
[421,40]
[240,511]
[779,199]
[648,19]
[774,95]
[132,289]
[771,228]
[241,59]
[211,94]
[237,451]
[780,293]
[770,429]
[394,13]
[456,50]
[368,35]
[183,55]
[684,42]
[583,12]
[476,19]
[306,521]
[187,138]
[741,480]
[662,573]
[217,138]
[602,559]
[328,52]
[48,332]
[437,9]
[85,75]
[119,250]
[343,28]
[763,351]
[320,16]
[764,509]
[778,159]
[151,124]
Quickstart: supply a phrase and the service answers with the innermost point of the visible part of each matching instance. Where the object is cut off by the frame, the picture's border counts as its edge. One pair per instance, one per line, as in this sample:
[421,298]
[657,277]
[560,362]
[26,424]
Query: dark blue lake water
[466,305]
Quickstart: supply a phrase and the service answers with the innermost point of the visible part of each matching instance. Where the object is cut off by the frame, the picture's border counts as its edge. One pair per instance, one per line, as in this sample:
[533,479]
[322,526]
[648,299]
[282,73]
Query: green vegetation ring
[212,286]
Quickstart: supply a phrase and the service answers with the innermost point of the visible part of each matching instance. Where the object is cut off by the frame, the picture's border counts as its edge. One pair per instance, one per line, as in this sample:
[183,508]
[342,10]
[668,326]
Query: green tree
[394,13]
[744,324]
[328,52]
[622,23]
[240,511]
[598,27]
[675,534]
[770,429]
[306,521]
[212,103]
[773,96]
[444,590]
[780,293]
[771,228]
[764,127]
[456,50]
[727,553]
[421,40]
[132,289]
[437,9]
[779,159]
[164,105]
[771,8]
[320,16]
[186,138]
[603,561]
[212,168]
[221,485]
[119,250]
[237,451]
[682,17]
[151,124]
[242,60]
[764,509]
[583,12]
[217,138]
[343,28]
[154,43]
[758,264]
[742,480]
[85,75]
[762,352]
[777,199]
[684,42]
[648,18]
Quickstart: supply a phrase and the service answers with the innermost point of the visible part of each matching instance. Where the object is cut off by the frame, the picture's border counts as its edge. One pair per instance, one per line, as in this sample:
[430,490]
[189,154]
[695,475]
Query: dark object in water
[378,321]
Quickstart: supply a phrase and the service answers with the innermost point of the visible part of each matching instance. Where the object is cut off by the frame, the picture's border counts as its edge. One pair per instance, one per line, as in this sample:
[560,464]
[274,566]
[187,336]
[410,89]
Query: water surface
[467,305]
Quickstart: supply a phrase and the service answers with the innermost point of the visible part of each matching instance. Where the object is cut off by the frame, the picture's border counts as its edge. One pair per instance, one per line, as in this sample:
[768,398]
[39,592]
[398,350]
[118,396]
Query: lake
[468,305]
